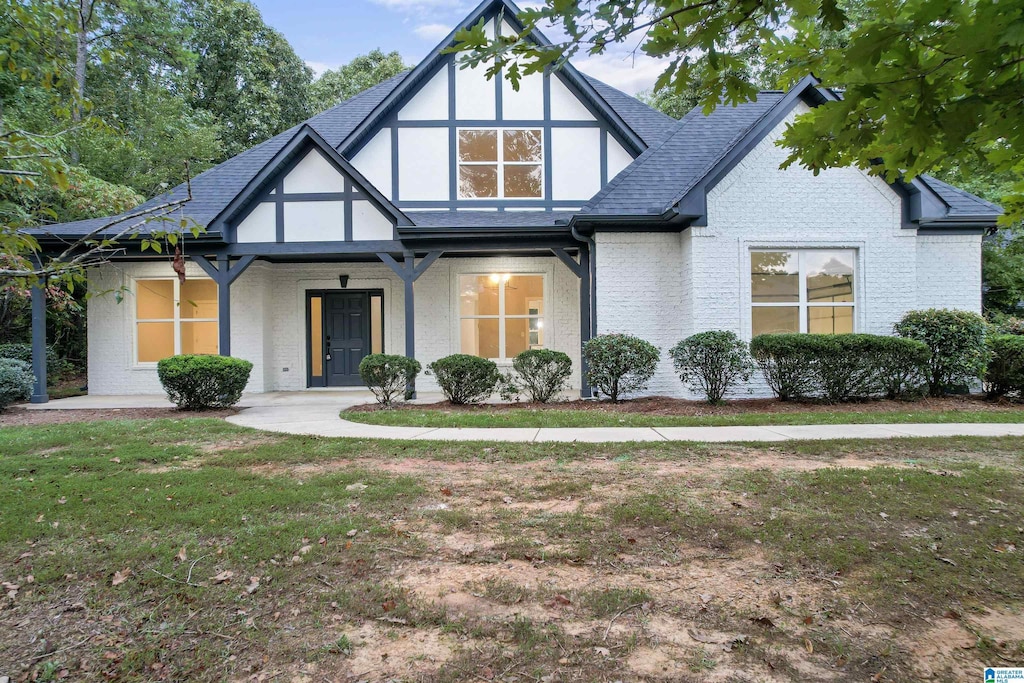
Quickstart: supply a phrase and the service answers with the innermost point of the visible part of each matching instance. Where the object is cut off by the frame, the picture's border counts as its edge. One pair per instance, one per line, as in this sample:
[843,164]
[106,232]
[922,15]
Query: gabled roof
[961,202]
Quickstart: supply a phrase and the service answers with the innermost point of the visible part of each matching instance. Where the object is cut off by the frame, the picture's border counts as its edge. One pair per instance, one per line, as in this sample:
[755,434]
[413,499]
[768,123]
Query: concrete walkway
[316,413]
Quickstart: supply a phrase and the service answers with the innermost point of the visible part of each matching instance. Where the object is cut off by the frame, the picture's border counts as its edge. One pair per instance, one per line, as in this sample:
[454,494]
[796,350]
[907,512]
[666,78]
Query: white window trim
[502,316]
[500,162]
[803,305]
[176,320]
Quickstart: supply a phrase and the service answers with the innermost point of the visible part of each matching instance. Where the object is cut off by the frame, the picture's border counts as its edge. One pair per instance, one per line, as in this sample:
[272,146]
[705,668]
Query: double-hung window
[501,315]
[802,290]
[496,163]
[173,318]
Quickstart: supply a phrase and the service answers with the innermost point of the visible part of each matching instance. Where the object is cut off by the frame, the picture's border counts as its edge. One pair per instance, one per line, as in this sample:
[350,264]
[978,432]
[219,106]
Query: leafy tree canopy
[365,71]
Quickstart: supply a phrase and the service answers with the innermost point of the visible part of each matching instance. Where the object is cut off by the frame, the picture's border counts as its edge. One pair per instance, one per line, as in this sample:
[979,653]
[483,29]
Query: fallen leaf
[351,533]
[947,561]
[808,620]
[182,555]
[763,621]
[602,651]
[223,577]
[358,486]
[445,491]
[705,638]
[121,576]
[62,500]
[878,676]
[487,673]
[883,515]
[116,460]
[562,600]
[323,541]
[254,583]
[809,646]
[388,605]
[40,519]
[304,550]
[11,588]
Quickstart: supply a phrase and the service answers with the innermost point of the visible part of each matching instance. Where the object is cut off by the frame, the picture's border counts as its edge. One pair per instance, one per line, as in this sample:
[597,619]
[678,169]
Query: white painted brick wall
[268,320]
[664,287]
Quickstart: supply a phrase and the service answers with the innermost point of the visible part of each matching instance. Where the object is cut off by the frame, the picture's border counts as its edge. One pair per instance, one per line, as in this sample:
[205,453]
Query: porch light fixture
[343,279]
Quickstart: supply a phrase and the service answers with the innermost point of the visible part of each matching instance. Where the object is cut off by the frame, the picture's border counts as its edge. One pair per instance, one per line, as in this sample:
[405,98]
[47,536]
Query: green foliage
[840,367]
[1002,270]
[387,376]
[1004,373]
[712,362]
[619,364]
[464,378]
[365,71]
[956,340]
[56,367]
[1006,324]
[925,84]
[541,373]
[197,382]
[16,380]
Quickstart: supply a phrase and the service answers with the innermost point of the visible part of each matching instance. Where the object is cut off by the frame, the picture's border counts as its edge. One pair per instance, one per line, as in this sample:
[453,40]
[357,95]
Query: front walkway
[316,413]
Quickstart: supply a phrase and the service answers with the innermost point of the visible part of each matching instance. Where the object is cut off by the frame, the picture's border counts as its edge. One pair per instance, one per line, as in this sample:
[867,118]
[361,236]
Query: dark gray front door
[346,336]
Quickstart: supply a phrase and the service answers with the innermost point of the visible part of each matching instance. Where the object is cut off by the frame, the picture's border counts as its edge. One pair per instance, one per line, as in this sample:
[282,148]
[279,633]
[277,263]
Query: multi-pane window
[173,318]
[501,163]
[501,315]
[805,290]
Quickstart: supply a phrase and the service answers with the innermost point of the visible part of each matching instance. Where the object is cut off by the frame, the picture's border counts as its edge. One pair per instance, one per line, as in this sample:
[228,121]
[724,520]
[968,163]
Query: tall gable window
[805,290]
[501,163]
[173,318]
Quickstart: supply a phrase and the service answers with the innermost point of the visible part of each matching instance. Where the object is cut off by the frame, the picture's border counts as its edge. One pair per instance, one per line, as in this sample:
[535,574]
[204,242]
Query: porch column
[39,394]
[224,274]
[410,272]
[583,271]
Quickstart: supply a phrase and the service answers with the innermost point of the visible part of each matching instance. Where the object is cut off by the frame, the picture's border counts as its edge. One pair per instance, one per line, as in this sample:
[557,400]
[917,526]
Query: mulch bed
[661,405]
[19,417]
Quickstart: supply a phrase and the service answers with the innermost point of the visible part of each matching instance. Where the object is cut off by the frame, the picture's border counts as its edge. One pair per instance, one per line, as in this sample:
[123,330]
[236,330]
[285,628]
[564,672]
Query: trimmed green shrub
[1006,324]
[711,362]
[1005,371]
[197,382]
[541,373]
[619,364]
[787,362]
[901,367]
[464,378]
[956,340]
[387,376]
[16,380]
[56,366]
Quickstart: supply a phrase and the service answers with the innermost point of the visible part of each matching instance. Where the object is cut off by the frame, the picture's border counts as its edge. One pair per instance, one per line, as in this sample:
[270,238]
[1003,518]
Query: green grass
[554,417]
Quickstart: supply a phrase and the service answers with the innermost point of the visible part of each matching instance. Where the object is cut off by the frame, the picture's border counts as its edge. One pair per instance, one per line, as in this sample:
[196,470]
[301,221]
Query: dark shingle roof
[650,124]
[668,170]
[961,202]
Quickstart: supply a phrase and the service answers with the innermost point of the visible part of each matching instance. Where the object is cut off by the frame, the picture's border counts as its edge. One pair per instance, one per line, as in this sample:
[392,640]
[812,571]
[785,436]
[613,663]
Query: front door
[346,336]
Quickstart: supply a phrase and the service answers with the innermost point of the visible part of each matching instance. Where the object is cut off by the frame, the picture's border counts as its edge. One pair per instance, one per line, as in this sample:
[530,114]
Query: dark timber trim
[583,271]
[39,394]
[224,274]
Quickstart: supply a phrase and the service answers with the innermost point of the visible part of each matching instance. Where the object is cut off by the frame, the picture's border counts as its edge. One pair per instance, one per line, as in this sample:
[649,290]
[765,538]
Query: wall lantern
[343,279]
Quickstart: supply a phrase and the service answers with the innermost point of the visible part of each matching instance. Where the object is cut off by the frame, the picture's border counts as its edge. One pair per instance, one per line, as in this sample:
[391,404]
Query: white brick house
[442,213]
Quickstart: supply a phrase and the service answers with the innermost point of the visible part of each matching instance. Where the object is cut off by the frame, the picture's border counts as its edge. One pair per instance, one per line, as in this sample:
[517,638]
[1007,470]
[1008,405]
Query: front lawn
[663,412]
[189,549]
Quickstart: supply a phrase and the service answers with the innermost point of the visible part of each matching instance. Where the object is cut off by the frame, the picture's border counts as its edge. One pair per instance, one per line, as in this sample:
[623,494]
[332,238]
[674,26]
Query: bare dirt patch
[22,417]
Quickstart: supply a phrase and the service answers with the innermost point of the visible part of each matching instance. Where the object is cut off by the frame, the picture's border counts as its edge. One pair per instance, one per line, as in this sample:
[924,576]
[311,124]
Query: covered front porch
[305,321]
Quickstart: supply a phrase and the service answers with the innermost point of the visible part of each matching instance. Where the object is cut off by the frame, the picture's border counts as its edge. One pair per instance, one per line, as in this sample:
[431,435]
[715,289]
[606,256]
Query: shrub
[787,361]
[1006,324]
[711,362]
[901,366]
[542,373]
[464,378]
[196,382]
[619,364]
[957,343]
[16,380]
[1005,371]
[55,365]
[387,376]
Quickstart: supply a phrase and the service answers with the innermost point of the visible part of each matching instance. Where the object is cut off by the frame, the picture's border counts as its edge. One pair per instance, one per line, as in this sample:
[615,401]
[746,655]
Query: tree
[926,84]
[246,73]
[365,71]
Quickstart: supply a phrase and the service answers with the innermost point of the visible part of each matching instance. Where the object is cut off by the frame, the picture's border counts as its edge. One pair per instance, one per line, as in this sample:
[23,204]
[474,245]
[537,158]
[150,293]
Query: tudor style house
[440,212]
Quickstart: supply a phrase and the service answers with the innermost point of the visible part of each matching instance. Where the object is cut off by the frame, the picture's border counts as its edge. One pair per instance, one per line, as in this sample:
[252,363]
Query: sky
[329,33]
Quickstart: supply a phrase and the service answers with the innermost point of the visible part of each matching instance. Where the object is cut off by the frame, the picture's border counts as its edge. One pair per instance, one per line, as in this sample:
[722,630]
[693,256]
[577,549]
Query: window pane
[156,341]
[522,145]
[316,336]
[478,181]
[524,295]
[829,275]
[154,299]
[198,299]
[478,145]
[774,277]
[523,181]
[480,337]
[522,334]
[478,294]
[199,338]
[830,319]
[376,324]
[774,319]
